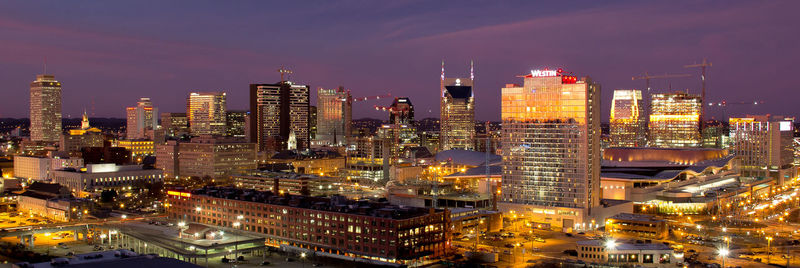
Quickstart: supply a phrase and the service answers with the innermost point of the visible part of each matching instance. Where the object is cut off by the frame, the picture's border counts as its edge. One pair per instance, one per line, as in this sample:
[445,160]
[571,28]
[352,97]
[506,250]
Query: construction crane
[723,105]
[283,71]
[377,97]
[646,77]
[702,66]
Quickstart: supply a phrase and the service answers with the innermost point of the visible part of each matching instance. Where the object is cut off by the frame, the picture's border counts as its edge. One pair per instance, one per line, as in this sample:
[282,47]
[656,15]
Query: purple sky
[107,54]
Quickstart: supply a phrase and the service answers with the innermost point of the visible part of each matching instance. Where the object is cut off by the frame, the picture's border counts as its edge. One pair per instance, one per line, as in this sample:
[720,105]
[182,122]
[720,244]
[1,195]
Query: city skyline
[166,56]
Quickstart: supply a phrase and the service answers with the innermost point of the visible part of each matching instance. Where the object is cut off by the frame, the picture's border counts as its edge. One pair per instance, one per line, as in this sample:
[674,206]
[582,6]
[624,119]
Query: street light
[723,252]
[181,226]
[236,243]
[610,245]
[769,249]
[303,258]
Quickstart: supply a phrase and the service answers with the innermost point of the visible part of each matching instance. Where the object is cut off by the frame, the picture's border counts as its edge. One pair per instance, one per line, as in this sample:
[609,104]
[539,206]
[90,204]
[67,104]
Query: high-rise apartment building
[763,144]
[281,110]
[628,125]
[206,113]
[174,123]
[141,118]
[551,147]
[334,113]
[675,120]
[457,117]
[45,110]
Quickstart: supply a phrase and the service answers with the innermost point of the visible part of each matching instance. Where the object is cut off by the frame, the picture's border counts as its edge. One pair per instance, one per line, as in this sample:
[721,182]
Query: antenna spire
[471,70]
[441,83]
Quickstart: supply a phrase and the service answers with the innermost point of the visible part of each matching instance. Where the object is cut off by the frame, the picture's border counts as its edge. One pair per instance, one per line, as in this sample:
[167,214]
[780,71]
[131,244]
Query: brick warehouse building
[331,226]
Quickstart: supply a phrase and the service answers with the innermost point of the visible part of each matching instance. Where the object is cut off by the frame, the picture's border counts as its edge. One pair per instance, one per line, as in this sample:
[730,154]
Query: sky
[107,54]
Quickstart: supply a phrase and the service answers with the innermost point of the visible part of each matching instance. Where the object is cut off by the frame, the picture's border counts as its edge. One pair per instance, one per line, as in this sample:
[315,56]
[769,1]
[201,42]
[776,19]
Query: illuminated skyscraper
[763,143]
[457,118]
[206,113]
[45,107]
[401,132]
[141,118]
[551,148]
[279,110]
[628,123]
[675,120]
[334,113]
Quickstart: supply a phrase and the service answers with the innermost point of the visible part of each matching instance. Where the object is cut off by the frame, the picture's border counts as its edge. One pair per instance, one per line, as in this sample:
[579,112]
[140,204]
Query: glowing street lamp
[769,249]
[723,252]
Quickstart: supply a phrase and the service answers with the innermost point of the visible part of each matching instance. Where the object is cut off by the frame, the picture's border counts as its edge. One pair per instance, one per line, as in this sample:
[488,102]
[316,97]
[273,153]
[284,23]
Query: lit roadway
[749,230]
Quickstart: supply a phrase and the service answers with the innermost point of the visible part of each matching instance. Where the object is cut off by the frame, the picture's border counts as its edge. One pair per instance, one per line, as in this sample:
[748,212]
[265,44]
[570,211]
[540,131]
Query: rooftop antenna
[45,65]
[441,83]
[471,70]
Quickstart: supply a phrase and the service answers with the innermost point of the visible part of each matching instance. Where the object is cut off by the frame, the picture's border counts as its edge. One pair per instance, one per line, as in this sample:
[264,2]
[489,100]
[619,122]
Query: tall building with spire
[85,121]
[206,113]
[457,117]
[551,148]
[45,109]
[141,117]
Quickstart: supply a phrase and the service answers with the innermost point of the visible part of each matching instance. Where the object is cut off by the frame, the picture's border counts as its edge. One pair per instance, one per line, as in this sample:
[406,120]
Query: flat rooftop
[624,245]
[113,258]
[168,237]
[380,208]
[636,217]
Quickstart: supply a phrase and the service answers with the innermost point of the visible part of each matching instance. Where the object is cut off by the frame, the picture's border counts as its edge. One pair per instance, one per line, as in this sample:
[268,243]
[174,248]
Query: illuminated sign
[786,126]
[543,73]
[180,194]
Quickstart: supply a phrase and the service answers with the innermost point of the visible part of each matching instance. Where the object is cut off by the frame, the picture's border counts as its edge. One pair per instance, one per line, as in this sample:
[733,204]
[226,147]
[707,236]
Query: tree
[108,196]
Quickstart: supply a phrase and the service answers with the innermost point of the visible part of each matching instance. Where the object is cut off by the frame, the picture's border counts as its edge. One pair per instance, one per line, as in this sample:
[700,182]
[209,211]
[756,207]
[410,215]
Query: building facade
[32,168]
[457,115]
[206,113]
[365,231]
[141,117]
[675,121]
[551,147]
[174,124]
[139,149]
[641,225]
[98,177]
[167,158]
[203,156]
[281,110]
[77,139]
[628,253]
[334,114]
[763,143]
[235,121]
[628,125]
[45,112]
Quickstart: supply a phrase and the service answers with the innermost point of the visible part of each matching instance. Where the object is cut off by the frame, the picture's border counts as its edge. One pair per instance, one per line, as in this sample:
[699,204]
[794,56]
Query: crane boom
[702,66]
[376,97]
